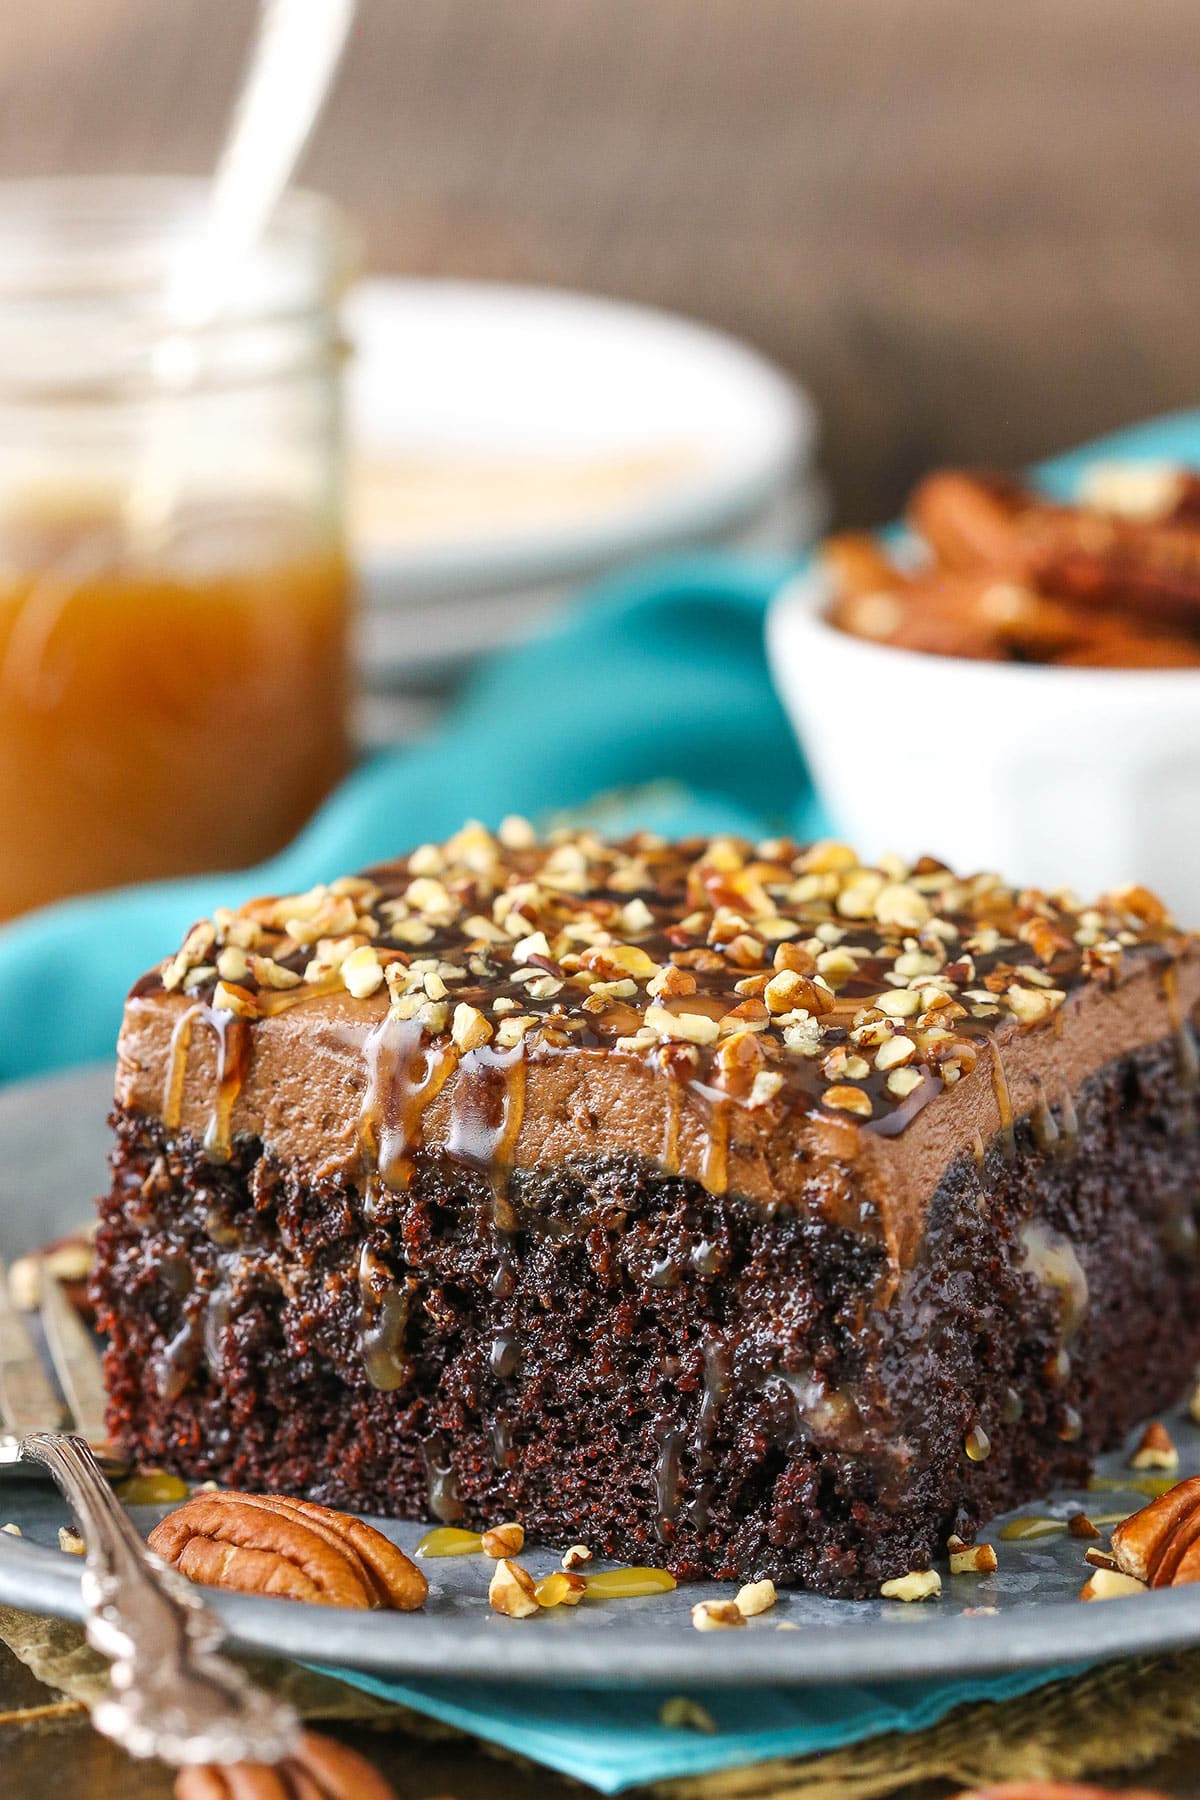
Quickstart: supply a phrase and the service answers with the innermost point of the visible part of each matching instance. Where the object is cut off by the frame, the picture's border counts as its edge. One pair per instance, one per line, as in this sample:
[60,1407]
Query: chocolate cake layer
[544,1181]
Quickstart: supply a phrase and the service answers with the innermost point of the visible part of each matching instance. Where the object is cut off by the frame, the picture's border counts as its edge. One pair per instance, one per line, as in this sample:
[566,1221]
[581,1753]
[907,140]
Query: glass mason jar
[174,586]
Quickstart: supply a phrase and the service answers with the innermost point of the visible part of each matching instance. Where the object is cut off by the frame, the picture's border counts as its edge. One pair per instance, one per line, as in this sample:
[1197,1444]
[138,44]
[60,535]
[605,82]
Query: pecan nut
[1155,1451]
[319,1769]
[1103,584]
[1160,1543]
[266,1544]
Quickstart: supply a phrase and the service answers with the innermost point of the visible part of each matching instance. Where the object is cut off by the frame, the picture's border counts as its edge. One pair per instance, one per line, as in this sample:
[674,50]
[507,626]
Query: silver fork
[172,1696]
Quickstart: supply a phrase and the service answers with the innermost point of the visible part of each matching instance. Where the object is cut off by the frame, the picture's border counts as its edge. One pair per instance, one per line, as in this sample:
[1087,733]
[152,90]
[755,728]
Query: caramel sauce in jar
[168,708]
[174,589]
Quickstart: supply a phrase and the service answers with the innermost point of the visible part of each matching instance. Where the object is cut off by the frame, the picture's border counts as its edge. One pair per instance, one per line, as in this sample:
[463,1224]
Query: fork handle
[132,1598]
[171,1695]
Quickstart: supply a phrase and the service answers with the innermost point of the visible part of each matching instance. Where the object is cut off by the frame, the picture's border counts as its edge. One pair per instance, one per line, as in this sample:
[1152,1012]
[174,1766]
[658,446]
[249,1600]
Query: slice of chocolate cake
[736,1207]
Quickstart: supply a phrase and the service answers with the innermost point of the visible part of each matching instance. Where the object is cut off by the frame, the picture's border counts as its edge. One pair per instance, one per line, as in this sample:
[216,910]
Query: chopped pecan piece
[1155,1451]
[1111,1584]
[971,1559]
[319,1769]
[504,1540]
[717,1615]
[512,1591]
[918,1584]
[266,1544]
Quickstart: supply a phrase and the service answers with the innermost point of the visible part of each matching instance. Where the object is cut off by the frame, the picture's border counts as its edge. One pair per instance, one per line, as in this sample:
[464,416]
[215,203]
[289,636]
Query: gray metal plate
[52,1146]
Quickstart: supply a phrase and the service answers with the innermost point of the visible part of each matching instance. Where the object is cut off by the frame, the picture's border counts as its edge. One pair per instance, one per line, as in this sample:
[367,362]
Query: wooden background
[971,226]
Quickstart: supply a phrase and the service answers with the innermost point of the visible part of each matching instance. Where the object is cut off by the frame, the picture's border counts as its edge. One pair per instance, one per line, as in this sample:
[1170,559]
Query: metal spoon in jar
[295,55]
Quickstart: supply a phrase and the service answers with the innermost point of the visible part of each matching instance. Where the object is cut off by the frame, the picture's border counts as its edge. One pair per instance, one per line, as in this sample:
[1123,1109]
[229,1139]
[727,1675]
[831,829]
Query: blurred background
[624,282]
[970,229]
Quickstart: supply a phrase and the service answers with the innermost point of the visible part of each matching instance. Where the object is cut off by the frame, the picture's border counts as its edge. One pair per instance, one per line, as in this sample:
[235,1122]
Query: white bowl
[1081,778]
[509,442]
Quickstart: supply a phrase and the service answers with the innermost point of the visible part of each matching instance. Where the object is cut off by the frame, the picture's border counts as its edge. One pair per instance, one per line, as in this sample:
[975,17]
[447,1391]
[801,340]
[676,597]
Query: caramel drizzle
[1069,1127]
[714,1172]
[1004,1104]
[1042,1121]
[181,1043]
[1187,1061]
[270,1001]
[233,1060]
[268,1004]
[384,1326]
[397,1096]
[472,1138]
[670,1149]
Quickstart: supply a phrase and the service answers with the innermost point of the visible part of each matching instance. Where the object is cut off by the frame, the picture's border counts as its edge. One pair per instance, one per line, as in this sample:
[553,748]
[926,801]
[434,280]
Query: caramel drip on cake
[405,1074]
[233,1060]
[667,1483]
[1069,1119]
[714,1172]
[1008,1142]
[892,1123]
[444,1501]
[384,1324]
[486,1118]
[281,1001]
[1042,1121]
[177,1059]
[1186,1057]
[670,1150]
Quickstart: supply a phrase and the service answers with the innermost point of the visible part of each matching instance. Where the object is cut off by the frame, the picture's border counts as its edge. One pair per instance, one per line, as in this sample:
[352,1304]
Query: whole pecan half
[318,1770]
[266,1544]
[1160,1544]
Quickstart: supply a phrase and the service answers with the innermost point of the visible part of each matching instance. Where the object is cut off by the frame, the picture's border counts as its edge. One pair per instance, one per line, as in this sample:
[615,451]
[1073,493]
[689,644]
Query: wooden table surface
[972,230]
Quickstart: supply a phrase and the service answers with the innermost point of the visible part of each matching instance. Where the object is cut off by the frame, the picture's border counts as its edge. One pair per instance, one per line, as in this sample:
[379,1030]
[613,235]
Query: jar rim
[85,262]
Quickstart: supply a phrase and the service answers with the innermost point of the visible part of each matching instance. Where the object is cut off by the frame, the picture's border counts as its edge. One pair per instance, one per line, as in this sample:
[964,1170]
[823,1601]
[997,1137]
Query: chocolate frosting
[517,1005]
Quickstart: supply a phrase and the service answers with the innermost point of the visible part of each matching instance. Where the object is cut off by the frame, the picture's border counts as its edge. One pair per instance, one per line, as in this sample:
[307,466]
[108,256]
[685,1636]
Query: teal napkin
[658,677]
[615,1741]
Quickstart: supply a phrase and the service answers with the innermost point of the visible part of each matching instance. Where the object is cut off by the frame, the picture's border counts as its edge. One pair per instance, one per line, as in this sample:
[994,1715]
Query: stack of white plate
[510,444]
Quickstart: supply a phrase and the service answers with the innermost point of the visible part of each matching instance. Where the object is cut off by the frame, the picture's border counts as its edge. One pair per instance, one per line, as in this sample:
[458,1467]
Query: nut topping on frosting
[774,974]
